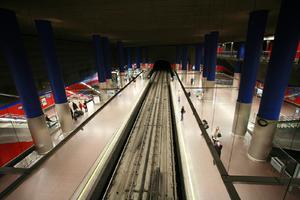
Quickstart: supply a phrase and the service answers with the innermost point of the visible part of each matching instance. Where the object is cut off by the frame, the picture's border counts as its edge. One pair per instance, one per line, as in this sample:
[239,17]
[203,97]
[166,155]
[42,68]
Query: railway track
[146,168]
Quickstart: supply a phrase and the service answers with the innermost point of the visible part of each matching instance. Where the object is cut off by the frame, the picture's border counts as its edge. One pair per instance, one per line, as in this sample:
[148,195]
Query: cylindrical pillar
[206,56]
[177,58]
[213,43]
[107,60]
[209,83]
[129,65]
[121,59]
[198,56]
[241,51]
[146,58]
[255,34]
[278,73]
[98,46]
[14,52]
[238,64]
[121,62]
[47,43]
[138,57]
[184,58]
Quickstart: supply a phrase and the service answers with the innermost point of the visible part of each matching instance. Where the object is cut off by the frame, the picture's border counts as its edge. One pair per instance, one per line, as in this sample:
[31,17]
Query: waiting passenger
[85,106]
[182,112]
[75,107]
[192,81]
[72,113]
[81,106]
[218,146]
[217,133]
[205,124]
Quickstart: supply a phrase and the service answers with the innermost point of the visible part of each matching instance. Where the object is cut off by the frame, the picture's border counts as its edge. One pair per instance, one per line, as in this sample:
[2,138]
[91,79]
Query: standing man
[182,112]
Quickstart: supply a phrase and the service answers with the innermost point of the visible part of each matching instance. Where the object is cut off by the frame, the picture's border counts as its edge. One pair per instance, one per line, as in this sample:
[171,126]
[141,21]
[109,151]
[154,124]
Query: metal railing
[265,55]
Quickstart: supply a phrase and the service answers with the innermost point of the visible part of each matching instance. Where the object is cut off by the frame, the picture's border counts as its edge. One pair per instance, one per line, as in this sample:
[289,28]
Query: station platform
[60,175]
[218,111]
[202,177]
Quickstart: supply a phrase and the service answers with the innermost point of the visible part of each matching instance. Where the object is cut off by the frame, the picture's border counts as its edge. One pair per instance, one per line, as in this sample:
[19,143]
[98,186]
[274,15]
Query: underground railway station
[136,100]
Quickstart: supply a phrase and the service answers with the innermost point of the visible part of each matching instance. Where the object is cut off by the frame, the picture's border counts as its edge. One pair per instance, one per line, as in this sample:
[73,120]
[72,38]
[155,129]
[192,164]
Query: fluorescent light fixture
[269,37]
[7,119]
[90,87]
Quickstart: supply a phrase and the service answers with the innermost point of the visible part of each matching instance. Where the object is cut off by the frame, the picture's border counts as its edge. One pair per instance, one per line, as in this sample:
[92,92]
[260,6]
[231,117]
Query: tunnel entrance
[162,65]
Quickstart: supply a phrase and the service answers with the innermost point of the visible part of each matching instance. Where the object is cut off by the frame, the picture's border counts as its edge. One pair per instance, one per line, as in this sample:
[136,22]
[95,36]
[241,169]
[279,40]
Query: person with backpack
[75,107]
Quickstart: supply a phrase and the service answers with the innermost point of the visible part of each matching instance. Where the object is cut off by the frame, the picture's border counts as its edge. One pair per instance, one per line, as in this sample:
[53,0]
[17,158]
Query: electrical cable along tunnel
[145,164]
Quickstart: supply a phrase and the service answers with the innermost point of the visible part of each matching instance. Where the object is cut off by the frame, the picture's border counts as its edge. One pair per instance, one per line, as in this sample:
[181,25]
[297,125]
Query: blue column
[255,34]
[177,59]
[121,59]
[241,51]
[206,55]
[202,55]
[198,56]
[213,43]
[62,109]
[184,58]
[146,57]
[278,73]
[46,37]
[138,57]
[15,55]
[279,69]
[98,45]
[240,55]
[256,28]
[14,52]
[107,57]
[129,58]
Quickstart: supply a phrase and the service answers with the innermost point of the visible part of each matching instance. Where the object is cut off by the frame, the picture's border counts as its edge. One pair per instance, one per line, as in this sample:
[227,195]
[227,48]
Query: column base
[236,80]
[209,88]
[122,74]
[210,83]
[241,118]
[262,139]
[102,85]
[40,134]
[237,76]
[103,96]
[109,83]
[96,99]
[122,79]
[204,79]
[64,116]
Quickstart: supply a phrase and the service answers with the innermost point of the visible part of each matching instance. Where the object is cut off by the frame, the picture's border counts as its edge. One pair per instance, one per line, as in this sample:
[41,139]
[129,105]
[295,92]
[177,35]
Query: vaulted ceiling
[143,22]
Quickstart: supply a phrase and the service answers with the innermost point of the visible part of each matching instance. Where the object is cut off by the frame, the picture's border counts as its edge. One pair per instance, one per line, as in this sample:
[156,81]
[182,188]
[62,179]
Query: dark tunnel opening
[162,65]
